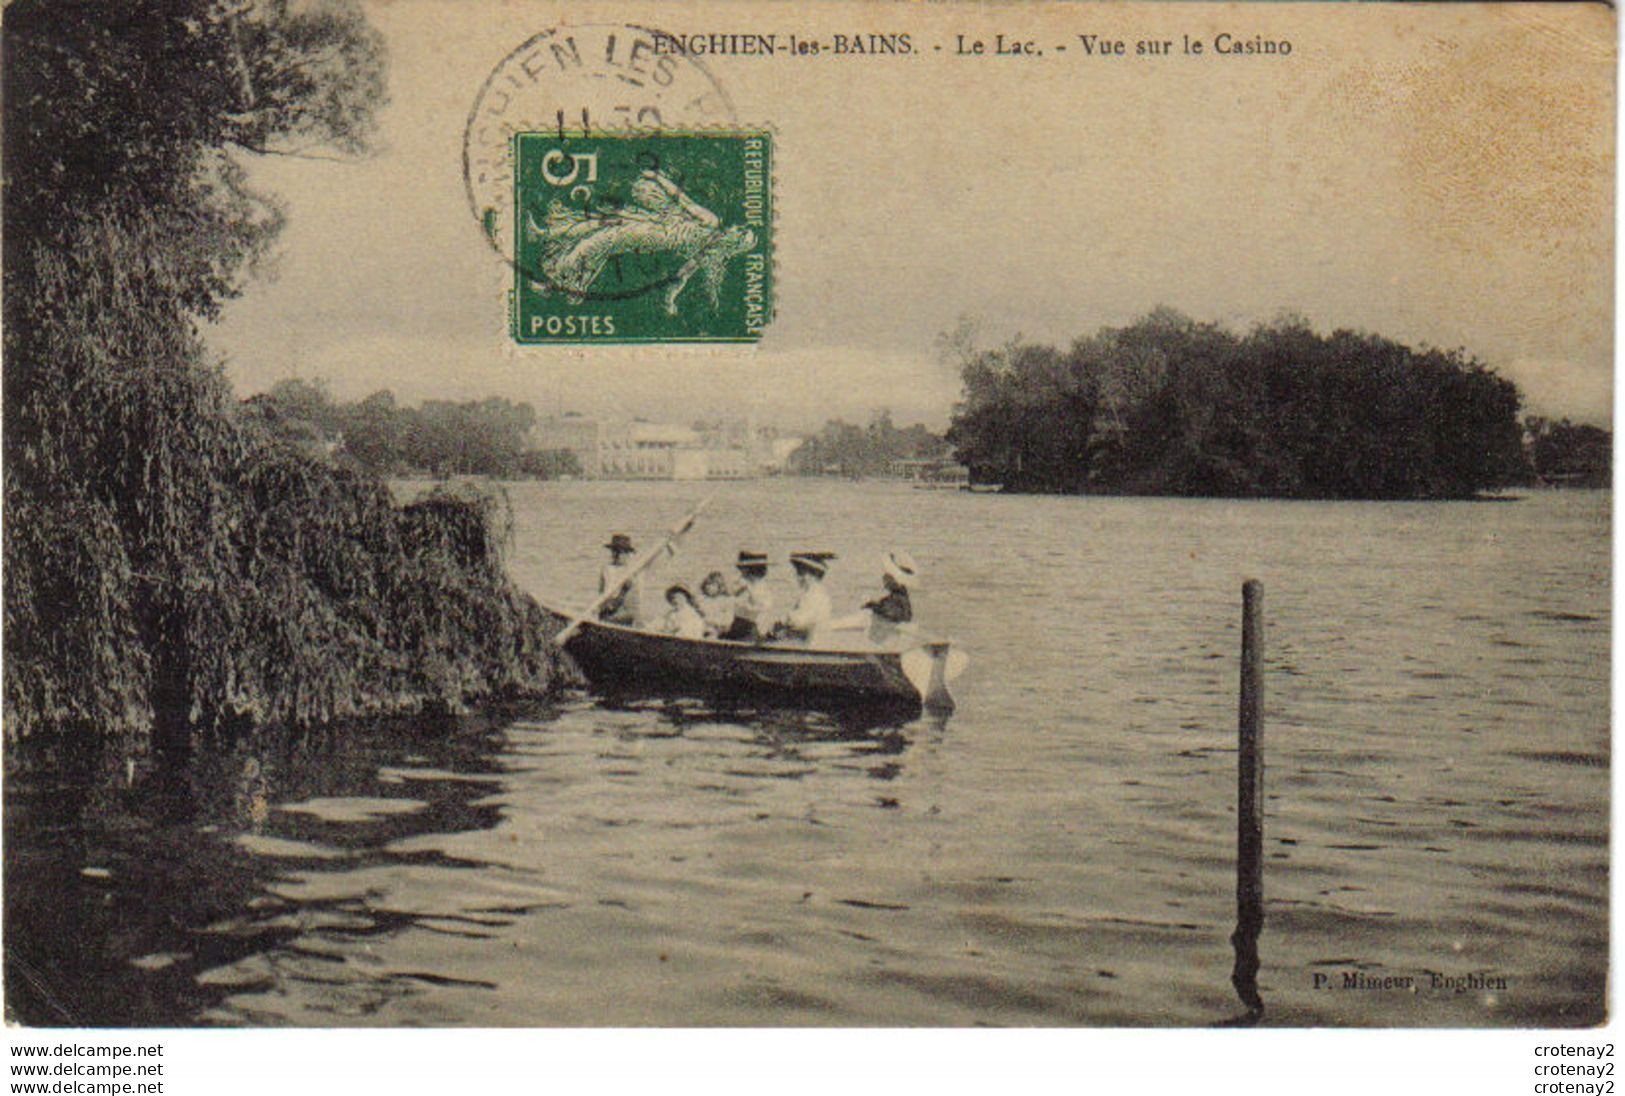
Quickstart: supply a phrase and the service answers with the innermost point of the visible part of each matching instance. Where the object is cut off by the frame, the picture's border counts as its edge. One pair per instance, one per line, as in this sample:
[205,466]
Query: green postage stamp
[642,237]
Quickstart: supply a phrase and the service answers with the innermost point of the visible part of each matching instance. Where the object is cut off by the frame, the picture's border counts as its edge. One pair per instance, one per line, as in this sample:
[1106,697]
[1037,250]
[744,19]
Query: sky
[1442,174]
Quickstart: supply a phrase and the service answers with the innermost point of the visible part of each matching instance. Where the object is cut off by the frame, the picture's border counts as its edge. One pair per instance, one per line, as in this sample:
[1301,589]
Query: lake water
[1058,852]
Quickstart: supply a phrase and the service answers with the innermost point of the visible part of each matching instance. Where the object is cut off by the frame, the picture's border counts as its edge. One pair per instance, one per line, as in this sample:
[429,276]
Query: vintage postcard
[542,515]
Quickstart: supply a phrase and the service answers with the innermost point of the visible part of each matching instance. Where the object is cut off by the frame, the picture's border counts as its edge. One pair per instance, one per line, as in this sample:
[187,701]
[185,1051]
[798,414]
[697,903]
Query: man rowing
[619,573]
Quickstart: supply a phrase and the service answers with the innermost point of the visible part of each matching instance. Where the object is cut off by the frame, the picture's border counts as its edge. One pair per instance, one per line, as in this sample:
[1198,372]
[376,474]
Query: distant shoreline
[1499,495]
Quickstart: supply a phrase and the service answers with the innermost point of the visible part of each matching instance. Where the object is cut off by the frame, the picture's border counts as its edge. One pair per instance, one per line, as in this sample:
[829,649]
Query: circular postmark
[580,80]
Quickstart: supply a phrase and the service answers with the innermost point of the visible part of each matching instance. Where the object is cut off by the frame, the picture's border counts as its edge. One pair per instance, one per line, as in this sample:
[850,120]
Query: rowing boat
[615,656]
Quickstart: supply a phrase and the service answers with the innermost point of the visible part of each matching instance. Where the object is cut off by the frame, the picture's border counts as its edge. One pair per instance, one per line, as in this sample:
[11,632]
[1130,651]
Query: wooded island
[1170,406]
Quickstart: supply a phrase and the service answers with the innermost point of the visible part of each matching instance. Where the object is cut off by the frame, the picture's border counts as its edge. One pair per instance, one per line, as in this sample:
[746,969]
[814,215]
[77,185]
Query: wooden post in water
[1250,801]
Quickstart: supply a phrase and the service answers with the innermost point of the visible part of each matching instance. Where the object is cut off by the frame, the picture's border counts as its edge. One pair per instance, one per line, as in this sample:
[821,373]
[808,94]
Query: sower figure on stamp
[577,246]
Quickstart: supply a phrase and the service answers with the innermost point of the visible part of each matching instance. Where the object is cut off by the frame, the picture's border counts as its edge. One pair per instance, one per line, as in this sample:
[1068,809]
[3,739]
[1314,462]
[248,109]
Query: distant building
[939,470]
[574,433]
[779,451]
[646,450]
[636,449]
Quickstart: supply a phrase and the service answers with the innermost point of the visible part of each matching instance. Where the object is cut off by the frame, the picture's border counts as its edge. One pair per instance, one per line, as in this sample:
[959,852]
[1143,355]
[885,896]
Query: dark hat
[620,542]
[749,560]
[816,563]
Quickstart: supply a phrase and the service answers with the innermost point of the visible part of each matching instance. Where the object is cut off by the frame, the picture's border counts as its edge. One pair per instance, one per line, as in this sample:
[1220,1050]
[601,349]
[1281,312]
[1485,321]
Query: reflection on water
[172,899]
[337,881]
[1059,852]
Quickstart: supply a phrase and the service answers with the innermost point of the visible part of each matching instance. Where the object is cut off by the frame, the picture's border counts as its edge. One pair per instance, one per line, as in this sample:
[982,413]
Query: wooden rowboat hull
[617,657]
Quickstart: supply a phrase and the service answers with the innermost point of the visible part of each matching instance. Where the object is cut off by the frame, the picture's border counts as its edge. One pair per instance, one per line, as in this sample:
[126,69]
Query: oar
[669,543]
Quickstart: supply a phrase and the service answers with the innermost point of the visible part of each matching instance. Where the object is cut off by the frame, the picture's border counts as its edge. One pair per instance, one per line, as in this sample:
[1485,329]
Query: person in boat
[893,609]
[752,600]
[682,617]
[812,611]
[716,603]
[898,572]
[623,607]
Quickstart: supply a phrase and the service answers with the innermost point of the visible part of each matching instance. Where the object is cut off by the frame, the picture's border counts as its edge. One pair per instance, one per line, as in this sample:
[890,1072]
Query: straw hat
[815,563]
[901,567]
[751,560]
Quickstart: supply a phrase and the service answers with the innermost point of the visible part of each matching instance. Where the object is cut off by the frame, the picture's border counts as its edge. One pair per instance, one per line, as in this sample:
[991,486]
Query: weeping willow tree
[171,567]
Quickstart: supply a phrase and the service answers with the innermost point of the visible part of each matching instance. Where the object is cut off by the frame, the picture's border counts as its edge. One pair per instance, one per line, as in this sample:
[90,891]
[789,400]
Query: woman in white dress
[812,611]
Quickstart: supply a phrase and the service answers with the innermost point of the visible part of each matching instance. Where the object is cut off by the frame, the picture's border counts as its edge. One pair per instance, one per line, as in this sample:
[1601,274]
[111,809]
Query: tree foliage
[1568,454]
[846,449]
[489,437]
[1169,406]
[172,564]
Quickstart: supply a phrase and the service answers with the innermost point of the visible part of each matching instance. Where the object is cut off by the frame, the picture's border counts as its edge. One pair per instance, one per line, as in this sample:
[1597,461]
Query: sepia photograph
[842,516]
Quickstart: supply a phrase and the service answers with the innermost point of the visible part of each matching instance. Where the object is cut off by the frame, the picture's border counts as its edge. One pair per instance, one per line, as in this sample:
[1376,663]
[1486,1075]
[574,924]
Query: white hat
[901,567]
